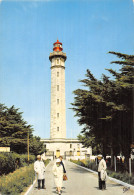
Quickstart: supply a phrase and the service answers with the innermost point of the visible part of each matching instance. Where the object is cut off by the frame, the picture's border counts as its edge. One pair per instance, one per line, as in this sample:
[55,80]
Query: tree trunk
[104,151]
[112,158]
[126,162]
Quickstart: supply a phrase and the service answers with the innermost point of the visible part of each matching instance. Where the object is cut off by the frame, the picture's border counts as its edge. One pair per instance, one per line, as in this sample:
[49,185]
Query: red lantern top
[57,46]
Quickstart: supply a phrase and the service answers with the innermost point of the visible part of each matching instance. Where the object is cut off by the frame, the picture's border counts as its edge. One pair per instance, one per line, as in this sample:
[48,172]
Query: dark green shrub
[92,166]
[132,180]
[8,162]
[80,163]
[121,176]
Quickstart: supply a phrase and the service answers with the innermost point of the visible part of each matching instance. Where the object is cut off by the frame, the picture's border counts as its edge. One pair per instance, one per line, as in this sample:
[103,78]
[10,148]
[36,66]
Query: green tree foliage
[14,132]
[105,108]
[125,97]
[93,111]
[36,146]
[88,140]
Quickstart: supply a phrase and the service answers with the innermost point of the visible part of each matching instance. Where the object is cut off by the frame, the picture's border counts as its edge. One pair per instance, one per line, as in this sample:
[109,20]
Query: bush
[46,162]
[91,165]
[84,163]
[15,182]
[8,161]
[121,176]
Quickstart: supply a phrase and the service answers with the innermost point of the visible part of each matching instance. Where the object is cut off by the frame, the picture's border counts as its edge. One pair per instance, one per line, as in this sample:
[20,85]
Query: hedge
[8,161]
[86,164]
[125,177]
[15,183]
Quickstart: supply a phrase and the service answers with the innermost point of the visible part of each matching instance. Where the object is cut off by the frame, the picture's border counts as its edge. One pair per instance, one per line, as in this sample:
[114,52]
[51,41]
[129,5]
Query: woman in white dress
[58,175]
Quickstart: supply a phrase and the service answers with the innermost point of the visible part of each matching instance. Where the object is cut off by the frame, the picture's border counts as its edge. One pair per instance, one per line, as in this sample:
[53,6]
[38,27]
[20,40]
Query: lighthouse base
[67,148]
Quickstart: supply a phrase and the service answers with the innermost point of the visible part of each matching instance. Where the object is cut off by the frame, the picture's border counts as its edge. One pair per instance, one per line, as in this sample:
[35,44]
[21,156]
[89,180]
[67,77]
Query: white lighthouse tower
[58,108]
[58,144]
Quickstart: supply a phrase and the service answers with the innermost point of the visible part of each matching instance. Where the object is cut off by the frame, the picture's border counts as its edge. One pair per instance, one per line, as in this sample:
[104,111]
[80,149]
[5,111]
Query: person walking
[39,169]
[102,173]
[62,163]
[58,175]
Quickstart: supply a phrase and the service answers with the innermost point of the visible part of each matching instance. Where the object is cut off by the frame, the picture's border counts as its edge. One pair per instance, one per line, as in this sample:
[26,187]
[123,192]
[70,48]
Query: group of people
[59,172]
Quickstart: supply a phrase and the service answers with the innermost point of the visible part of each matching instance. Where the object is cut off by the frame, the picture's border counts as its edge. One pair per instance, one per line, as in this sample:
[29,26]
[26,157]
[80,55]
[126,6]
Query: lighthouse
[58,108]
[58,144]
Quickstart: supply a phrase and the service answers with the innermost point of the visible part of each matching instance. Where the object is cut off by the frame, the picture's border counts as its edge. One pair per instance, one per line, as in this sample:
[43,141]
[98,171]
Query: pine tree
[14,132]
[106,109]
[125,86]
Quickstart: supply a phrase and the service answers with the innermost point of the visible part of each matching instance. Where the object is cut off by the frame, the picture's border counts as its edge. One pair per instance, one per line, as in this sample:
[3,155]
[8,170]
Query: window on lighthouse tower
[58,61]
[57,115]
[57,87]
[57,101]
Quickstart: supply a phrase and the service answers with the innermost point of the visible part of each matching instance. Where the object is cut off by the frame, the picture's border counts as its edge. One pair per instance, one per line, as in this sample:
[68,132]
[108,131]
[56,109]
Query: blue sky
[88,29]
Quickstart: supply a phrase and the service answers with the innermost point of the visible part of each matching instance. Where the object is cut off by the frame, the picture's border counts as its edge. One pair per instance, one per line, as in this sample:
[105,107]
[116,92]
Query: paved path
[80,182]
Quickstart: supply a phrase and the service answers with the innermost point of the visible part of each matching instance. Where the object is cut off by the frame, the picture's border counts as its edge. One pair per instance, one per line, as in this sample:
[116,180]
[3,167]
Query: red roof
[58,42]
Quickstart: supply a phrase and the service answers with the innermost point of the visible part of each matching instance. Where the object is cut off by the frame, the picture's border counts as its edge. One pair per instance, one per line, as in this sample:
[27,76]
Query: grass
[15,182]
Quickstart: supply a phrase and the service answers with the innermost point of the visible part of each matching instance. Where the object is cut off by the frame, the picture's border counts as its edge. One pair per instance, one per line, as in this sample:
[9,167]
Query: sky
[88,30]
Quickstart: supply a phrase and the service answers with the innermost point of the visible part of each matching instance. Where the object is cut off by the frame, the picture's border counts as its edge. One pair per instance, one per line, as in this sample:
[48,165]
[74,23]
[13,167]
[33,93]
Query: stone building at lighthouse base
[68,148]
